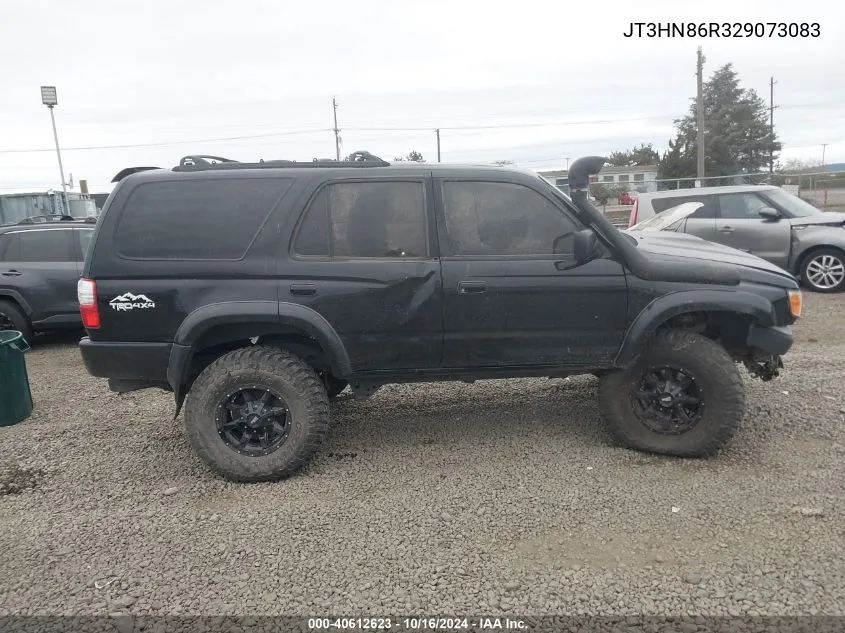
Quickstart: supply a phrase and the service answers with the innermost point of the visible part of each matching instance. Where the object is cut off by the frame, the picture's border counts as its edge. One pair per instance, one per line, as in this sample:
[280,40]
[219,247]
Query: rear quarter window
[196,219]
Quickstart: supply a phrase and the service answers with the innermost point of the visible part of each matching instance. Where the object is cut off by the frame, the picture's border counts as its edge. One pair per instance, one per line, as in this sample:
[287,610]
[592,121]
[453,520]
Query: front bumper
[775,341]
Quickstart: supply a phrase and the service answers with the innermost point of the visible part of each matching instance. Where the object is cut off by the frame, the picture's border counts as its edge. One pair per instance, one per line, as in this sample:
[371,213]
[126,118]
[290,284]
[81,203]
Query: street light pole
[50,99]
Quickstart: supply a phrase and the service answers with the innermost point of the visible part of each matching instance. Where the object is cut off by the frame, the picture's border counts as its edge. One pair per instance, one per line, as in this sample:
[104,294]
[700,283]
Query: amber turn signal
[795,303]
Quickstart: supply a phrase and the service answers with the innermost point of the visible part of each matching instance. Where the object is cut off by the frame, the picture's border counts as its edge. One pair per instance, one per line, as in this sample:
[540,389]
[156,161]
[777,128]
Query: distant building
[99,200]
[641,179]
[15,207]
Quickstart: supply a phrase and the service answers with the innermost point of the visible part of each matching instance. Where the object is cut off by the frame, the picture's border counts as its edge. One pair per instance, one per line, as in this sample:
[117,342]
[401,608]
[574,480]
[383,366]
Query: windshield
[793,205]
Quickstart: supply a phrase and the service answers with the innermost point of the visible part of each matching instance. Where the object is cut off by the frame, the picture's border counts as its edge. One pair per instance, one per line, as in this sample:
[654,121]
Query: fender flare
[667,306]
[211,315]
[18,298]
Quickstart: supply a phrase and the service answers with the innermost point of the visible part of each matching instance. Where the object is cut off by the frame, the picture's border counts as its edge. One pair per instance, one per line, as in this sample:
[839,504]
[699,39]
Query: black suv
[40,264]
[262,290]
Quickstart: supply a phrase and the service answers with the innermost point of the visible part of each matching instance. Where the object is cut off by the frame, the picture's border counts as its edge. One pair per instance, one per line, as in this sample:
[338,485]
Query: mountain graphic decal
[129,301]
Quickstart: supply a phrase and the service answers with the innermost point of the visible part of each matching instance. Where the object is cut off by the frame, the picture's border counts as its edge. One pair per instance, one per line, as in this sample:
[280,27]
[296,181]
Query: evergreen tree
[637,157]
[736,132]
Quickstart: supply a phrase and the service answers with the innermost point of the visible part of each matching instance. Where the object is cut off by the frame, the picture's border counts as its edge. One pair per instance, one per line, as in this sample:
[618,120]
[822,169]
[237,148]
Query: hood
[822,219]
[666,219]
[668,246]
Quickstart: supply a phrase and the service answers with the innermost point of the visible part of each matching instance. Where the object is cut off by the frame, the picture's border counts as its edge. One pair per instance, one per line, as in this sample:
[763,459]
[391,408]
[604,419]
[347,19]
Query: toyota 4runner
[259,291]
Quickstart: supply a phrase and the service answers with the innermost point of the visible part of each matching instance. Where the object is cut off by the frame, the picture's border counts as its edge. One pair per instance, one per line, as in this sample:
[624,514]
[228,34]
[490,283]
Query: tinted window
[365,219]
[199,219]
[487,218]
[741,206]
[39,246]
[84,236]
[313,235]
[707,211]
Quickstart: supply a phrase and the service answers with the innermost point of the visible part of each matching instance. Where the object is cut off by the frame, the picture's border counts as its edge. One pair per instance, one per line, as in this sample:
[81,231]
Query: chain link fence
[822,189]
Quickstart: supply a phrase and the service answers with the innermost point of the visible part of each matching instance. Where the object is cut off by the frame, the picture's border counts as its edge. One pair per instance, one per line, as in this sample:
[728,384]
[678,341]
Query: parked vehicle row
[764,220]
[40,264]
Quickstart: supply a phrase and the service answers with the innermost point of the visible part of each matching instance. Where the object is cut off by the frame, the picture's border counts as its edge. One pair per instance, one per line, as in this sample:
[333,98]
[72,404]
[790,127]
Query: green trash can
[15,395]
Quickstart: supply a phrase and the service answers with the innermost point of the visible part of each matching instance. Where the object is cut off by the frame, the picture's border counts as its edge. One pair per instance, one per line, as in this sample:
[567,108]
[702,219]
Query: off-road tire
[18,319]
[279,370]
[838,256]
[715,374]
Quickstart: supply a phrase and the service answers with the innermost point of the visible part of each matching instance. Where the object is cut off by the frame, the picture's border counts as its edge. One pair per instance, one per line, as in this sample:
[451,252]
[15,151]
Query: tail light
[632,219]
[86,294]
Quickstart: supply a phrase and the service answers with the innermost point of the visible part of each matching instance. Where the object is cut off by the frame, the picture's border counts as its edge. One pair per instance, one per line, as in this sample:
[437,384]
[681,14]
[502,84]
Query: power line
[167,143]
[454,128]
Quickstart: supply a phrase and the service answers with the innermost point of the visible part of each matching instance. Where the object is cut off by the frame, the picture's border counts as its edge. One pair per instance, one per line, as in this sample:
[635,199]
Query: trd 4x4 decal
[127,301]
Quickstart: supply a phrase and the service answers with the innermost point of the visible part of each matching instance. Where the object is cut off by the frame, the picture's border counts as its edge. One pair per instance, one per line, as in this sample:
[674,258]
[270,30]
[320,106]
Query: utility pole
[824,148]
[699,116]
[567,163]
[437,131]
[772,107]
[336,131]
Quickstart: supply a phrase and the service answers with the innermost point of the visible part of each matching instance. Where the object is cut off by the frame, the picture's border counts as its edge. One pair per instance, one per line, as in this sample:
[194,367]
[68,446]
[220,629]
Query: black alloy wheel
[253,421]
[667,400]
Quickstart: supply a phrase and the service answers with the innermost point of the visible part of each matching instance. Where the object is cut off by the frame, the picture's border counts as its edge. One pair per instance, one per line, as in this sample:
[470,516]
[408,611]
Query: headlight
[795,302]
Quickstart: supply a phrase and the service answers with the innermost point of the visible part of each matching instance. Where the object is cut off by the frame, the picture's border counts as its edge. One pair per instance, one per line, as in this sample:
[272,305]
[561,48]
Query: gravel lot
[500,497]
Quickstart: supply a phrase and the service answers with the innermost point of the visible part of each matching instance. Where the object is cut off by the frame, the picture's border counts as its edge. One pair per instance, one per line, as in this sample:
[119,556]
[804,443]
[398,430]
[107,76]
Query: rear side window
[365,220]
[53,245]
[197,219]
[707,211]
[84,238]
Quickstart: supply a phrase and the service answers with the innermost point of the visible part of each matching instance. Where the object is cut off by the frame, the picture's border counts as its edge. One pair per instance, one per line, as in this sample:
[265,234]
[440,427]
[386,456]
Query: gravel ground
[502,497]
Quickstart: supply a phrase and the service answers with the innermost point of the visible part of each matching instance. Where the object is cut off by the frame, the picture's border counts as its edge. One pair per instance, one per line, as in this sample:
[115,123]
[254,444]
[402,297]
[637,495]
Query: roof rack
[43,219]
[202,162]
[204,159]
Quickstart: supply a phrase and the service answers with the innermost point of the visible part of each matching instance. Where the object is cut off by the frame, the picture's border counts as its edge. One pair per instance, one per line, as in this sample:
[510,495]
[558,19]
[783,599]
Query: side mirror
[768,213]
[586,245]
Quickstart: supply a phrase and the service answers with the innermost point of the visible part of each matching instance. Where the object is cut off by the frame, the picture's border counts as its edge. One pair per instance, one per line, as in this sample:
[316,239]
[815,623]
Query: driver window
[493,218]
[741,206]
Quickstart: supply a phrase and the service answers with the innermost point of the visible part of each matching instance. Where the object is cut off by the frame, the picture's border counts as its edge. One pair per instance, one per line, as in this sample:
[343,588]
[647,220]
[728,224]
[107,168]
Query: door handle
[726,229]
[467,287]
[303,289]
[11,273]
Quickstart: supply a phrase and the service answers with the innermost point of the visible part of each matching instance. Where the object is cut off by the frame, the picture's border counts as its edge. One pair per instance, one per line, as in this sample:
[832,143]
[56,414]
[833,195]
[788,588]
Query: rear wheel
[824,270]
[257,414]
[12,318]
[683,397]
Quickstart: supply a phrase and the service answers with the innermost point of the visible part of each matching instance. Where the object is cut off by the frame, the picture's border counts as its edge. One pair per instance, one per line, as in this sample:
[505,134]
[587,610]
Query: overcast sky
[550,80]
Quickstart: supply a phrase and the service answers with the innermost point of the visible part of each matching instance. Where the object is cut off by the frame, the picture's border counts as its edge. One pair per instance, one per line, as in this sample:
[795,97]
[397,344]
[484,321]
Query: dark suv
[262,290]
[40,264]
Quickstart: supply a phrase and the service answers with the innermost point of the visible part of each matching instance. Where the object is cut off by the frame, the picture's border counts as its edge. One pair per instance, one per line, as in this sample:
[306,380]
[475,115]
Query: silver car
[764,220]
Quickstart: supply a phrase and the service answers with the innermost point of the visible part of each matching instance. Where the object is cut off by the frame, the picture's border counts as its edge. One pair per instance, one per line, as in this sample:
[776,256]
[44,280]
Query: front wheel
[257,414]
[12,318]
[683,397]
[824,270]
